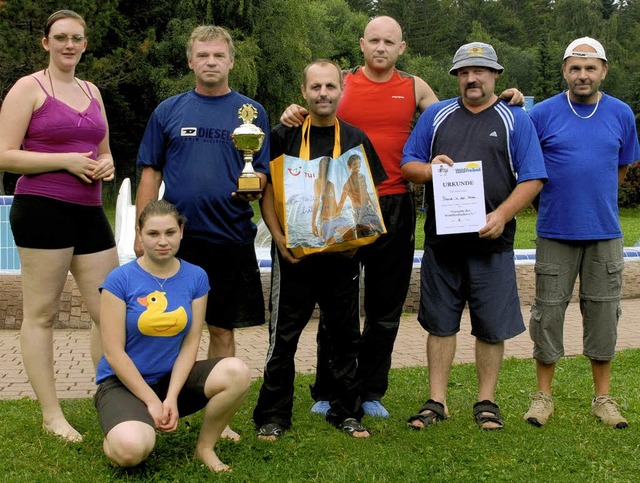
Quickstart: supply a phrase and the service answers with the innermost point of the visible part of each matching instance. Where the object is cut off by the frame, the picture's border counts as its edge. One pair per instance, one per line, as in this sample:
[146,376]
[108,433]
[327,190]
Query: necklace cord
[157,279]
[583,117]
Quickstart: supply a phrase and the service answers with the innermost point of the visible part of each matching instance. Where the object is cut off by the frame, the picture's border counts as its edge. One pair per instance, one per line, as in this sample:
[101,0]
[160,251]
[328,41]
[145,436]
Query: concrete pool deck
[75,376]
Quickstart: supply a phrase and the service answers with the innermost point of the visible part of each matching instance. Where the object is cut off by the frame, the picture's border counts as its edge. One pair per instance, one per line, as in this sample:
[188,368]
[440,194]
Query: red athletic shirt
[384,111]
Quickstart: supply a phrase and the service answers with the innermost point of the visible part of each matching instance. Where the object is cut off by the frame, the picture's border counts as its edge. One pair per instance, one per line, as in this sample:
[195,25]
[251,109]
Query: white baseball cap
[593,43]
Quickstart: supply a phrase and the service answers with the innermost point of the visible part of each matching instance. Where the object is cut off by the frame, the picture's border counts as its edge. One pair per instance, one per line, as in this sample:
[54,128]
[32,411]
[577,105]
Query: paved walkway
[74,372]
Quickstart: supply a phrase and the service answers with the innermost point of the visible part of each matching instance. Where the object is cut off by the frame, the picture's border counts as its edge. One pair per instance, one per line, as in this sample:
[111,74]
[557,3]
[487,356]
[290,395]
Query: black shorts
[116,404]
[45,223]
[235,299]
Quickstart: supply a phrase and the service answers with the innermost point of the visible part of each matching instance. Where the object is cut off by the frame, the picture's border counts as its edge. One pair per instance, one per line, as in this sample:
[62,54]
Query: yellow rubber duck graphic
[154,321]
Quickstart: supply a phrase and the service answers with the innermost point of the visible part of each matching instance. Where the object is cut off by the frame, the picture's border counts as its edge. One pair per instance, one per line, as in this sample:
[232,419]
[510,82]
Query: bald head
[381,45]
[388,24]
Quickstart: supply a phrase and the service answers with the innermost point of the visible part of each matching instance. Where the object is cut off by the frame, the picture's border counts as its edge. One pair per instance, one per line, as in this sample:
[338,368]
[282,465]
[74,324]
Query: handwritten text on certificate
[458,194]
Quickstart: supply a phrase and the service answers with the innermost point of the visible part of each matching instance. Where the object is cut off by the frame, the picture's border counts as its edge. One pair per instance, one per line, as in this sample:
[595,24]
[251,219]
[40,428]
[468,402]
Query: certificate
[458,193]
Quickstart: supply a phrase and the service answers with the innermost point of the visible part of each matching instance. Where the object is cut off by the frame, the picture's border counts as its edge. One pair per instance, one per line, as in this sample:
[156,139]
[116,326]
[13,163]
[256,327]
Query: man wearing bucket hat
[475,267]
[588,140]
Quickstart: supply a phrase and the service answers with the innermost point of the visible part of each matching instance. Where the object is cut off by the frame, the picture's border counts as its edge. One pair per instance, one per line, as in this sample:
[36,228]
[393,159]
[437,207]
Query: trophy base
[249,185]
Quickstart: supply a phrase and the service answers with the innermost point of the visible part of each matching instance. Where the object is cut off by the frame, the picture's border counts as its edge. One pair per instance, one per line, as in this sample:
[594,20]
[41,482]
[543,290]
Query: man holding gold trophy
[208,145]
[248,139]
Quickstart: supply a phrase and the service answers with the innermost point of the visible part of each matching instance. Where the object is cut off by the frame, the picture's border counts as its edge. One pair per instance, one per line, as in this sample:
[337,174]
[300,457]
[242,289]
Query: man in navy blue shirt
[475,267]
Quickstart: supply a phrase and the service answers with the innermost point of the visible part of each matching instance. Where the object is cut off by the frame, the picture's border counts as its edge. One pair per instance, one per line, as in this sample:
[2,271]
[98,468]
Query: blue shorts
[235,299]
[449,280]
[49,224]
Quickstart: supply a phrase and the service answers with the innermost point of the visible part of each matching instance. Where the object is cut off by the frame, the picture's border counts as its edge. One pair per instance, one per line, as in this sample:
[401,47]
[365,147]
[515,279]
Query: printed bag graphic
[326,204]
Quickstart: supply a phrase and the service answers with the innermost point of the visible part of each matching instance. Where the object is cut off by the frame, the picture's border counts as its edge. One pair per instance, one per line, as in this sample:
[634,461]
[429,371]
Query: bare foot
[267,438]
[432,412]
[427,418]
[210,459]
[361,434]
[353,428]
[229,433]
[487,415]
[490,424]
[62,429]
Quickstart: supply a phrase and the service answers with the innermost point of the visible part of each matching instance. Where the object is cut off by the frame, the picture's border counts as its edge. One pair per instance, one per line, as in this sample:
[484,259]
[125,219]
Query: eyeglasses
[64,38]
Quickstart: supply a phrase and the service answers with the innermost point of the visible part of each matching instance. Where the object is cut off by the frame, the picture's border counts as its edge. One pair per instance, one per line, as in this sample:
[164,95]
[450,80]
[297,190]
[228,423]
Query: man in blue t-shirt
[188,145]
[468,265]
[588,140]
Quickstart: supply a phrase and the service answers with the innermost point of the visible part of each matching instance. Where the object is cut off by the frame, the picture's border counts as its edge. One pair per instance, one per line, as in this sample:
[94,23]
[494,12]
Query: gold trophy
[248,138]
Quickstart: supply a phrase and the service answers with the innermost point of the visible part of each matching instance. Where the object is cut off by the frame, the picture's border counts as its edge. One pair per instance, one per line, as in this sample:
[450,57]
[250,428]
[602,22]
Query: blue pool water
[9,259]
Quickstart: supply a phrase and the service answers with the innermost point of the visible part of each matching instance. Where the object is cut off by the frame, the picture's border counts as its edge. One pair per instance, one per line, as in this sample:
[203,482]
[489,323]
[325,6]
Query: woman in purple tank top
[54,132]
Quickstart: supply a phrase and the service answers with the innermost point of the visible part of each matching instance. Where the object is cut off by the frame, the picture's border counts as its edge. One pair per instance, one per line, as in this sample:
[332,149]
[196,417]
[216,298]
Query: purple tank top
[57,128]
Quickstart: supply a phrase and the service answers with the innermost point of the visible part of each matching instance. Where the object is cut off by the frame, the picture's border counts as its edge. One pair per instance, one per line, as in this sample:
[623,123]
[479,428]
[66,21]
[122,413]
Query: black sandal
[436,415]
[486,406]
[270,429]
[351,425]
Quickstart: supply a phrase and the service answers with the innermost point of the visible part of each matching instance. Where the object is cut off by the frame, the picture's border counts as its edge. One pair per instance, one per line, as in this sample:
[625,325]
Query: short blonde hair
[206,33]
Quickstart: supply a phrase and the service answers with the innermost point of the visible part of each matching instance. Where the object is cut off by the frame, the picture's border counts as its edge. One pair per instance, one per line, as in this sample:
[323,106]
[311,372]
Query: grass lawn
[572,447]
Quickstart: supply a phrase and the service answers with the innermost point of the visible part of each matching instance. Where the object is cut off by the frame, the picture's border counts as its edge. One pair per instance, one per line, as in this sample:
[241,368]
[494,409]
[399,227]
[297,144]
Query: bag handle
[305,145]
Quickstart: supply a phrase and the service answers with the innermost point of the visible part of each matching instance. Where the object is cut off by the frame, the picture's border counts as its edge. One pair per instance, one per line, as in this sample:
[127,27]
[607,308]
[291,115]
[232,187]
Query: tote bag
[327,204]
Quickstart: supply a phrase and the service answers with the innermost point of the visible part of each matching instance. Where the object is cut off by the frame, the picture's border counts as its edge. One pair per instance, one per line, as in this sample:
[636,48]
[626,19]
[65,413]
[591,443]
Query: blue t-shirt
[502,137]
[582,156]
[157,319]
[188,137]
